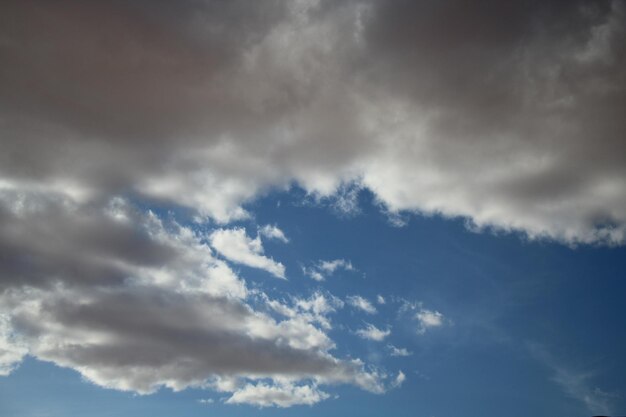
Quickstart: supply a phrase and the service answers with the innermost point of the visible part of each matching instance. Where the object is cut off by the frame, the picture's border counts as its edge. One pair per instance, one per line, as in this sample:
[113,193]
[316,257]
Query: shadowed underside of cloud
[133,303]
[507,114]
[436,107]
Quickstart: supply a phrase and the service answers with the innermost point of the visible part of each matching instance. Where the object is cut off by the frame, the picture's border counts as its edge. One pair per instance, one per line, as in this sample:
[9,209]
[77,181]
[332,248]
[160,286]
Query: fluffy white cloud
[361,303]
[372,332]
[236,246]
[314,309]
[428,319]
[279,395]
[380,299]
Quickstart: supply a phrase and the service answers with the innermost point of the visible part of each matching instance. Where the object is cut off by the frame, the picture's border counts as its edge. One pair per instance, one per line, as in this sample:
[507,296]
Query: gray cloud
[135,303]
[509,115]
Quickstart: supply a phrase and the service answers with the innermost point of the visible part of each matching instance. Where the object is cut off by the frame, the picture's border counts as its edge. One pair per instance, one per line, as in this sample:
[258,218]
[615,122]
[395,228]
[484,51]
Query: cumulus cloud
[314,309]
[361,303]
[279,395]
[372,332]
[135,303]
[322,269]
[428,319]
[207,106]
[236,246]
[508,115]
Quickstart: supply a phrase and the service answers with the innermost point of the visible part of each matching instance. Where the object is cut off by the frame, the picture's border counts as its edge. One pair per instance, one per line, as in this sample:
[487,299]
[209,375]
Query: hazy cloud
[372,332]
[361,303]
[322,269]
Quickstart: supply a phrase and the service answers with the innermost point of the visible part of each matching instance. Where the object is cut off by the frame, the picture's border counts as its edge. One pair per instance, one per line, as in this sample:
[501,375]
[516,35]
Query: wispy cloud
[236,246]
[323,269]
[576,383]
[361,303]
[394,351]
[372,332]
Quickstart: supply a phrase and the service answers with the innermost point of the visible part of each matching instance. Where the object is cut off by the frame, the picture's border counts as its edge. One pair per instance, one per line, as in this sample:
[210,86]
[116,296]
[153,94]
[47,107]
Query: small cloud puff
[371,332]
[361,303]
[323,269]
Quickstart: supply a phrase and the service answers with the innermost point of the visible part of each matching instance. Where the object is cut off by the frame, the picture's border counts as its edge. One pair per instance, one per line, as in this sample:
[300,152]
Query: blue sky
[529,327]
[312,207]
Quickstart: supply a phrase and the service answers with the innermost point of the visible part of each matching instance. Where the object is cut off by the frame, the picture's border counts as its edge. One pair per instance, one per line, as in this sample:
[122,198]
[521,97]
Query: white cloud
[361,303]
[314,309]
[236,246]
[206,401]
[331,266]
[428,319]
[11,350]
[372,332]
[399,380]
[277,395]
[394,351]
[380,299]
[273,232]
[322,269]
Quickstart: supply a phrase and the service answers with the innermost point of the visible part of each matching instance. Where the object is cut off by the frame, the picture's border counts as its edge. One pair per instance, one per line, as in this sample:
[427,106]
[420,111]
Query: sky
[312,207]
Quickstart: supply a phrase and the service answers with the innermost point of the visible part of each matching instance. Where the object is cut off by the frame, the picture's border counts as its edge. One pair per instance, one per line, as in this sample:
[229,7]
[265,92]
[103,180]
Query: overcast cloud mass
[509,115]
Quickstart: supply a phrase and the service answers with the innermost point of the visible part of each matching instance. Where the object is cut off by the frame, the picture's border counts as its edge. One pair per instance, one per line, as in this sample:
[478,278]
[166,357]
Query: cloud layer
[508,115]
[436,108]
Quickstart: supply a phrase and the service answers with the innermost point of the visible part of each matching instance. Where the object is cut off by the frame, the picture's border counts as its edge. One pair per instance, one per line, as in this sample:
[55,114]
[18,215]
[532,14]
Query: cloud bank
[507,115]
[436,108]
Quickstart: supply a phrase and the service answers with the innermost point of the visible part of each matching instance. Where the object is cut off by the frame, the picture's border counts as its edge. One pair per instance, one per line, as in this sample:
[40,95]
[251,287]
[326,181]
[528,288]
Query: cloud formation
[236,246]
[436,108]
[323,269]
[428,319]
[507,115]
[372,332]
[135,303]
[361,303]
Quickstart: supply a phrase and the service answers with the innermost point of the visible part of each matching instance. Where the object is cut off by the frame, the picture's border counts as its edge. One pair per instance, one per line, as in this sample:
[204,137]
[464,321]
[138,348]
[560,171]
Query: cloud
[206,401]
[323,269]
[159,312]
[273,232]
[236,246]
[372,332]
[280,395]
[314,309]
[399,380]
[394,351]
[576,383]
[209,115]
[380,299]
[428,319]
[361,303]
[514,122]
[11,350]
